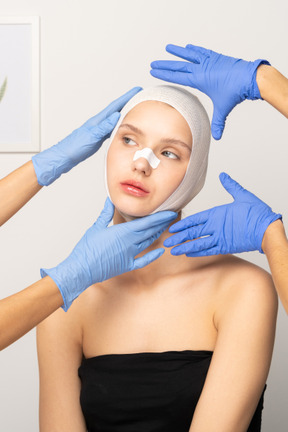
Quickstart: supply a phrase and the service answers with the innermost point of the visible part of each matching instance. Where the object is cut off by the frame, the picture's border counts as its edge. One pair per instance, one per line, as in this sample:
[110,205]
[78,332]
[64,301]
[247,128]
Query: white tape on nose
[149,155]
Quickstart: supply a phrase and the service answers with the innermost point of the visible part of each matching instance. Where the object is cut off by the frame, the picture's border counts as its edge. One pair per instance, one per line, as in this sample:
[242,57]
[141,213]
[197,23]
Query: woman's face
[135,187]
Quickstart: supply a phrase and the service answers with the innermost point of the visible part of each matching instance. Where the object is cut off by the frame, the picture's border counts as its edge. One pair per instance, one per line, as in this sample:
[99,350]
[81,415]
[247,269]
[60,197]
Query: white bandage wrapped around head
[195,115]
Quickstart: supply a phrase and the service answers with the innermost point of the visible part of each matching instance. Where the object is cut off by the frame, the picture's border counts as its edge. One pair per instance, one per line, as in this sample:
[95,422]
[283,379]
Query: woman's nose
[142,165]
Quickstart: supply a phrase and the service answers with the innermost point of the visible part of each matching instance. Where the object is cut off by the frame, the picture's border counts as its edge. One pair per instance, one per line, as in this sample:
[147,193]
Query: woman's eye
[129,141]
[170,155]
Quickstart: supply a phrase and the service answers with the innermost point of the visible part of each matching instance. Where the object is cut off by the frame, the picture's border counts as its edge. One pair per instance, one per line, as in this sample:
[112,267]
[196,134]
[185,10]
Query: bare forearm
[21,312]
[275,246]
[273,87]
[16,190]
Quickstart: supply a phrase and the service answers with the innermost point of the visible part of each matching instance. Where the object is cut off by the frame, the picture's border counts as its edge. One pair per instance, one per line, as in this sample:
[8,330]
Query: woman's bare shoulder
[244,284]
[229,270]
[237,270]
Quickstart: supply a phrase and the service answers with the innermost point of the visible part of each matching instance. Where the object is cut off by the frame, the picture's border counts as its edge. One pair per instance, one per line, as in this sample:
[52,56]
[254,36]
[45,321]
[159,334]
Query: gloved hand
[104,252]
[226,80]
[80,144]
[231,228]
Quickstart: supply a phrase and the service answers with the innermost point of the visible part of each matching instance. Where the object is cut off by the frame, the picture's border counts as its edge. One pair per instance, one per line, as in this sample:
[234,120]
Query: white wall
[91,52]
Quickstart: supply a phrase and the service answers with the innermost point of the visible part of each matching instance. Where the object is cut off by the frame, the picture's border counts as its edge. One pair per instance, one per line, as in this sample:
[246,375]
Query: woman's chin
[133,212]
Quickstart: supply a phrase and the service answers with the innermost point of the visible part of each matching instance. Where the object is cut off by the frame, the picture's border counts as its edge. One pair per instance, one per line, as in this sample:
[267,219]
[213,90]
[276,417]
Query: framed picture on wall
[19,84]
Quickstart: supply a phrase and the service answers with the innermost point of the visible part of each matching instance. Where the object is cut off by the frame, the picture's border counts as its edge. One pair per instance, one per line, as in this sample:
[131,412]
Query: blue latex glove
[104,252]
[80,144]
[226,80]
[231,228]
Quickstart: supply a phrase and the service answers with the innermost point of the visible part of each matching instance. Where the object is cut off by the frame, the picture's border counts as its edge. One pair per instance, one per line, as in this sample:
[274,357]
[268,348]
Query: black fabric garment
[145,392]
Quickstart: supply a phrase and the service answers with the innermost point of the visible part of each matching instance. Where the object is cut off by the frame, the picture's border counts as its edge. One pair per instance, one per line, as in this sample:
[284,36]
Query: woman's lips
[134,188]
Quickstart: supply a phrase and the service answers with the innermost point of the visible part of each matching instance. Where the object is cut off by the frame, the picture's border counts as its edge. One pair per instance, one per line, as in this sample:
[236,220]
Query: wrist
[255,92]
[48,166]
[274,237]
[54,161]
[70,280]
[263,79]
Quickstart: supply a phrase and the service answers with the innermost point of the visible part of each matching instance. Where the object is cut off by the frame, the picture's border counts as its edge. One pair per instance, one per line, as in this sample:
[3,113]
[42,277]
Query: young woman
[184,344]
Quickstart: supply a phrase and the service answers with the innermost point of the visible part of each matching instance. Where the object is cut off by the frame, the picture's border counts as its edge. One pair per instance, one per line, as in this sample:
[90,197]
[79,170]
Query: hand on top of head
[226,80]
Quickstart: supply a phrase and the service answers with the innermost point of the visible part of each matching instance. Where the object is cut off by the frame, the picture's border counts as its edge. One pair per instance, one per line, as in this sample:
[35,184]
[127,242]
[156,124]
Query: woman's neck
[165,266]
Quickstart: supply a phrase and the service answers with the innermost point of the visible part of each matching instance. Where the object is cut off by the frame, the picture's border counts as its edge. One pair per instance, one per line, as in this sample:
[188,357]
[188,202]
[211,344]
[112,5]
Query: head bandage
[149,155]
[195,115]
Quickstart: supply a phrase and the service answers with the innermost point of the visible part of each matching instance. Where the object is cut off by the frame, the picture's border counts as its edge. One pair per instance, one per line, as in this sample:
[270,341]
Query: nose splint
[149,155]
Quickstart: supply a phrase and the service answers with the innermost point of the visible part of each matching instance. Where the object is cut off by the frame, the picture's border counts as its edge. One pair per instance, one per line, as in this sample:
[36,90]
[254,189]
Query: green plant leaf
[3,89]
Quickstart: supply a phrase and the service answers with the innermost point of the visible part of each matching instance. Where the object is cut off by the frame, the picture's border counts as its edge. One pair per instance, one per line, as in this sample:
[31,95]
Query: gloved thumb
[218,124]
[148,258]
[106,215]
[104,128]
[231,186]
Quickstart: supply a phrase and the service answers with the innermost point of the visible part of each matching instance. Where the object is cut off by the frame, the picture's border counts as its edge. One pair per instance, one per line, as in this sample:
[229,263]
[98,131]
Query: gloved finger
[144,244]
[104,128]
[114,106]
[206,252]
[175,66]
[147,258]
[106,215]
[198,50]
[119,103]
[188,234]
[231,186]
[237,191]
[217,124]
[185,53]
[151,221]
[190,221]
[146,234]
[182,78]
[193,246]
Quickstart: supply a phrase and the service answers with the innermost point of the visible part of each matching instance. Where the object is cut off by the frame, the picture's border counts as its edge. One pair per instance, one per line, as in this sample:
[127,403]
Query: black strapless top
[145,392]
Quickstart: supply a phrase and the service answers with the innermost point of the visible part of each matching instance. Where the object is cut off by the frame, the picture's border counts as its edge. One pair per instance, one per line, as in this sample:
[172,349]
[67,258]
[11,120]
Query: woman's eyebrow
[133,128]
[176,141]
[164,140]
